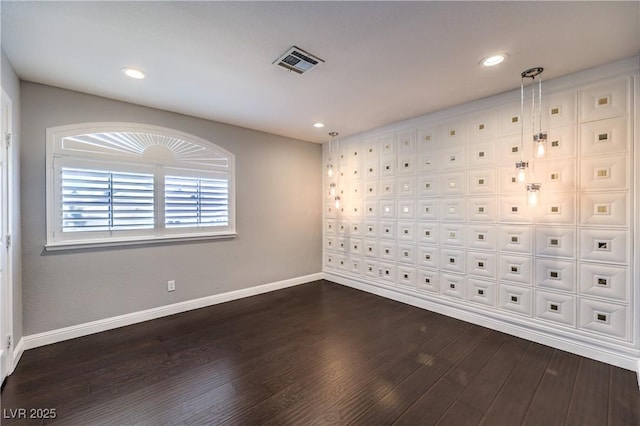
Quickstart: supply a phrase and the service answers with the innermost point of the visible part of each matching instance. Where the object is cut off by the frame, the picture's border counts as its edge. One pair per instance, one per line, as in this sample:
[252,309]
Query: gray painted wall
[11,86]
[278,191]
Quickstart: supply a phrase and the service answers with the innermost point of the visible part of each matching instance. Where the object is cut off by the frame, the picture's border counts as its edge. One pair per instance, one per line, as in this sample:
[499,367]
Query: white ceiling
[385,61]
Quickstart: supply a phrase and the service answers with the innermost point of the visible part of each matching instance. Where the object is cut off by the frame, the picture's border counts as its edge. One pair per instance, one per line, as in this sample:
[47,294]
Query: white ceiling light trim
[493,60]
[133,73]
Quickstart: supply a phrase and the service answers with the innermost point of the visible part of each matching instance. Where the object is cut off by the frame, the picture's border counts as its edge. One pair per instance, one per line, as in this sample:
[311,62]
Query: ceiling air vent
[298,61]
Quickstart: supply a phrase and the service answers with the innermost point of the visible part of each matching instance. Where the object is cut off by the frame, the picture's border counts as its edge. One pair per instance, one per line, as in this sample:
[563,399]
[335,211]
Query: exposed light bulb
[540,150]
[521,176]
[532,194]
[332,190]
[337,202]
[521,167]
[330,171]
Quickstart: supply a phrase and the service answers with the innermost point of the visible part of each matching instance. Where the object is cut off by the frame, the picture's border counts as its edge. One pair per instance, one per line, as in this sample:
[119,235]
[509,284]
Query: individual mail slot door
[515,268]
[452,260]
[558,308]
[482,264]
[604,137]
[608,319]
[452,285]
[605,281]
[515,299]
[556,242]
[604,245]
[604,100]
[482,292]
[556,274]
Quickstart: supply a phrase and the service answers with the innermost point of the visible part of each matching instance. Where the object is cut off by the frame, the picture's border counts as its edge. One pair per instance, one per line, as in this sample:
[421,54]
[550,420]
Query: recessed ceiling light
[318,125]
[494,60]
[133,73]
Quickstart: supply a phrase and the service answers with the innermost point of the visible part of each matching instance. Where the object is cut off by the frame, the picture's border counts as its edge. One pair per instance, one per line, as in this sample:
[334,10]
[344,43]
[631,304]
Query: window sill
[75,245]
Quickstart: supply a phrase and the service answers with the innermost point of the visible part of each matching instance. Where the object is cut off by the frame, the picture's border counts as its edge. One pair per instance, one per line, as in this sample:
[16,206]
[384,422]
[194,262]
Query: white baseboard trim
[628,359]
[66,333]
[18,350]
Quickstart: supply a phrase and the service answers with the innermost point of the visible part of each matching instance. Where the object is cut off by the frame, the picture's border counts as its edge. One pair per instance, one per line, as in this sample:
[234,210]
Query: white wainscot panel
[556,175]
[483,237]
[453,183]
[482,154]
[342,227]
[515,268]
[330,260]
[355,265]
[514,209]
[355,171]
[508,180]
[428,185]
[452,234]
[428,209]
[482,181]
[604,137]
[452,285]
[427,138]
[518,239]
[355,246]
[606,209]
[388,272]
[429,161]
[407,164]
[453,157]
[370,228]
[556,274]
[406,209]
[387,209]
[370,248]
[605,318]
[453,133]
[330,242]
[428,280]
[482,264]
[512,150]
[387,188]
[428,257]
[515,299]
[407,254]
[606,281]
[482,292]
[483,125]
[407,231]
[342,245]
[561,142]
[355,228]
[387,144]
[387,166]
[371,189]
[556,242]
[558,308]
[407,276]
[370,268]
[607,173]
[387,251]
[510,120]
[556,208]
[452,260]
[356,189]
[371,209]
[428,232]
[559,110]
[482,209]
[330,210]
[406,186]
[371,169]
[604,245]
[330,226]
[388,230]
[354,207]
[406,141]
[371,148]
[342,263]
[605,100]
[453,209]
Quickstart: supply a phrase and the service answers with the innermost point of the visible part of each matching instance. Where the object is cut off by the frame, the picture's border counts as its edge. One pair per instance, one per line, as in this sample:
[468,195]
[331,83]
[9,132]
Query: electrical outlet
[171,285]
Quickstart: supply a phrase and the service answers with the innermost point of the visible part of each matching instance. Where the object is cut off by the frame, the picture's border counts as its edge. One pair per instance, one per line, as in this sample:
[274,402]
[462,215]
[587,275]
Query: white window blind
[194,201]
[123,183]
[99,200]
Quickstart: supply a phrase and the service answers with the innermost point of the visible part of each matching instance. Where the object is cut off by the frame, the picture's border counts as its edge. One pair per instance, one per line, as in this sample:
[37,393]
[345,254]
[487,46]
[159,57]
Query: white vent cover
[298,61]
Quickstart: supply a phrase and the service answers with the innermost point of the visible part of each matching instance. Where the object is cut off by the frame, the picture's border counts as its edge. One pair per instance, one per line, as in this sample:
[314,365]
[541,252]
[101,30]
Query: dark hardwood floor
[319,353]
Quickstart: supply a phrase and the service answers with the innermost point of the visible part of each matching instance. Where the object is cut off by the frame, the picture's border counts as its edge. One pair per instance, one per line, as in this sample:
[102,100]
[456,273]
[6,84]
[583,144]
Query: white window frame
[205,159]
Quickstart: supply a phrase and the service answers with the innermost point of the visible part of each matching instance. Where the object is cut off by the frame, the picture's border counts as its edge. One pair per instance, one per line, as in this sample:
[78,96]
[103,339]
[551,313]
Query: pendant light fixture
[333,186]
[539,137]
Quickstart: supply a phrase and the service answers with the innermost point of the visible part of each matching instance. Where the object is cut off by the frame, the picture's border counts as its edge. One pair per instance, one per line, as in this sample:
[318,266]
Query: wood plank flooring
[315,354]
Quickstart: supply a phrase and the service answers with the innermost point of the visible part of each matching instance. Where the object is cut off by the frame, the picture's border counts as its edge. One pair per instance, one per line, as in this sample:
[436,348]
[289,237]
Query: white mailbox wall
[440,217]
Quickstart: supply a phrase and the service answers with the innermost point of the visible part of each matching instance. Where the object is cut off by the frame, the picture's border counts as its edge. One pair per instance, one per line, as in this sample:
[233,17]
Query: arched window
[117,183]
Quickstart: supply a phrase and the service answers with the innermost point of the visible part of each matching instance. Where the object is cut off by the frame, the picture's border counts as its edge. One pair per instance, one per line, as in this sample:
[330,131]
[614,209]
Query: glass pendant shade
[540,141]
[521,167]
[533,193]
